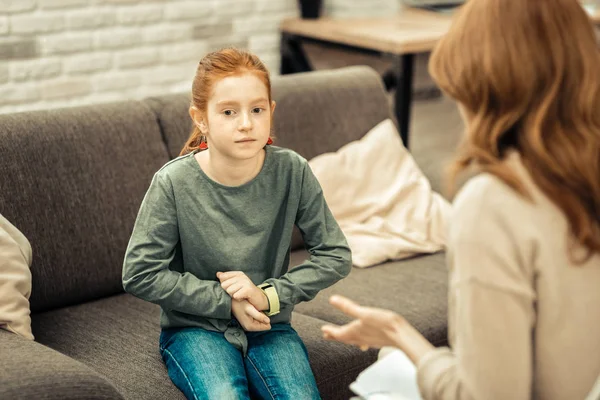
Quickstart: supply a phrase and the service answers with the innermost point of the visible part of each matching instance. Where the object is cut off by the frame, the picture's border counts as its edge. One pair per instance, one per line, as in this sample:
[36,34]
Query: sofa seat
[415,288]
[118,337]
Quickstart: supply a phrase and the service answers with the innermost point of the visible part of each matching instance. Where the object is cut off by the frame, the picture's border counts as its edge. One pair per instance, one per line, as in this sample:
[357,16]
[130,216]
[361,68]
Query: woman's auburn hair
[527,76]
[212,68]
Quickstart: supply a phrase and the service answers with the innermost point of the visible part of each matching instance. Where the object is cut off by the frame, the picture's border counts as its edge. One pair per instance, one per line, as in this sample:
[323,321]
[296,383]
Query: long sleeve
[330,258]
[151,250]
[491,303]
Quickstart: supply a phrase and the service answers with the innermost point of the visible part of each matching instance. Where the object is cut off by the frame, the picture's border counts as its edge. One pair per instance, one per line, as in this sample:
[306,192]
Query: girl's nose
[246,122]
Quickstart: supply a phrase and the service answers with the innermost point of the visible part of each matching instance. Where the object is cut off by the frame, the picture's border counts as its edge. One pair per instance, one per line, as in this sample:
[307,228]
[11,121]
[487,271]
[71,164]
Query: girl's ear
[198,118]
[273,104]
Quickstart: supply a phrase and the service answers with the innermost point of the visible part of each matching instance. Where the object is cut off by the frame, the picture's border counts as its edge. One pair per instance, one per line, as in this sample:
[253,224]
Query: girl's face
[238,117]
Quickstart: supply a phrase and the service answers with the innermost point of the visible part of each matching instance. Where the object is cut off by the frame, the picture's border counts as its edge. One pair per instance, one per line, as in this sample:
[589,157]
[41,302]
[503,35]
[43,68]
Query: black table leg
[403,97]
[293,58]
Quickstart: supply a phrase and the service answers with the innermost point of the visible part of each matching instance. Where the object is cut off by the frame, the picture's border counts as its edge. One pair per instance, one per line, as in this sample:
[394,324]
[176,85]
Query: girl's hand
[240,287]
[373,327]
[249,317]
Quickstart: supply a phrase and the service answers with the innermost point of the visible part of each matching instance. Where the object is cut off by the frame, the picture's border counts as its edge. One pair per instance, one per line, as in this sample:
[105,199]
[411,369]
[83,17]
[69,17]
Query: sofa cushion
[72,180]
[173,118]
[316,112]
[320,112]
[381,199]
[32,371]
[415,288]
[118,337]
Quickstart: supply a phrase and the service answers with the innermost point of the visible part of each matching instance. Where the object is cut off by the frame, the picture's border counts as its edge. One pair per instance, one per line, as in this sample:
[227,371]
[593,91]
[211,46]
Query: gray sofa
[72,181]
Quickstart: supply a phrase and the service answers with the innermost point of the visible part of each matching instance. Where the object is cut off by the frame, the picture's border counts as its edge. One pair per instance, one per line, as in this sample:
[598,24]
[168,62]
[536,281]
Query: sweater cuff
[431,367]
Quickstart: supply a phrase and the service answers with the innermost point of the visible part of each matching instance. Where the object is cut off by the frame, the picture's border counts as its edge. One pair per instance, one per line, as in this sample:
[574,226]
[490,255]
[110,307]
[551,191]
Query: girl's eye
[228,112]
[257,110]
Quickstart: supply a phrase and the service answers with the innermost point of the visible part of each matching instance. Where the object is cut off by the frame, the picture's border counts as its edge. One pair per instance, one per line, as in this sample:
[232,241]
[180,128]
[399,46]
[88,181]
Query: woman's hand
[249,317]
[240,287]
[375,327]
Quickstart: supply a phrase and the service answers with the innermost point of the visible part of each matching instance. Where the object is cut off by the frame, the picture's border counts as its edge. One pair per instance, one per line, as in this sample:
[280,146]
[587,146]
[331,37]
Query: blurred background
[56,53]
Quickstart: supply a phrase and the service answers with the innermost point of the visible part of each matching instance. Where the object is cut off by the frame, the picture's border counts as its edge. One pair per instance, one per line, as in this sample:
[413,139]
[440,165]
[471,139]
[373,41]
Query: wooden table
[401,36]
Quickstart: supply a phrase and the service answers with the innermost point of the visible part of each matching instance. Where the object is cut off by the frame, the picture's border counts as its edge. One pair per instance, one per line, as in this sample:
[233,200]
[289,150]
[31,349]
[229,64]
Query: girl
[524,245]
[211,244]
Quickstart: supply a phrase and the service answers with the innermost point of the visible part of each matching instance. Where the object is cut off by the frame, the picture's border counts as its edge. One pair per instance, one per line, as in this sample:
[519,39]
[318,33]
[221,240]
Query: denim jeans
[204,365]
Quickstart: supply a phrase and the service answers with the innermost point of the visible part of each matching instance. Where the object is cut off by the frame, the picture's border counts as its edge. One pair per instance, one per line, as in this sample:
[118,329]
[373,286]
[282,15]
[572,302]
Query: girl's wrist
[263,304]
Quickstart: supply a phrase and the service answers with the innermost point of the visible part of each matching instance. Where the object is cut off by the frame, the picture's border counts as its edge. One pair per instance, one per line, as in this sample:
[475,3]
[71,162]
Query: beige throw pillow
[381,199]
[15,280]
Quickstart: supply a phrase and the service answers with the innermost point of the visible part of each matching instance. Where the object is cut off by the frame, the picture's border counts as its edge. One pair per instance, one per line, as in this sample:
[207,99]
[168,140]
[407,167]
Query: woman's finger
[329,332]
[339,333]
[347,306]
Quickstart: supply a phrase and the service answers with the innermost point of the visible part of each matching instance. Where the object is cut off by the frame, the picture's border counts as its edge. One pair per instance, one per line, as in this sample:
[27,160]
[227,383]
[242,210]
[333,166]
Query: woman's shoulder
[488,191]
[485,190]
[486,203]
[485,199]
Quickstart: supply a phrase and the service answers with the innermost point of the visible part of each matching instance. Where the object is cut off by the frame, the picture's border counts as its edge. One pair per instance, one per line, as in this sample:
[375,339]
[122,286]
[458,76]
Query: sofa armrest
[30,370]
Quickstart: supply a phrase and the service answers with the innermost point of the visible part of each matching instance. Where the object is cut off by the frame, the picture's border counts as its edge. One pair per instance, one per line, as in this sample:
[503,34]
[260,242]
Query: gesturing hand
[240,287]
[373,327]
[249,317]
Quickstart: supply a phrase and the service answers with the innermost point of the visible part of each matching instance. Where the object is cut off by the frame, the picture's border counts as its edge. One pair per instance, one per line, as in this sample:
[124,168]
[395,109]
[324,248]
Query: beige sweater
[524,322]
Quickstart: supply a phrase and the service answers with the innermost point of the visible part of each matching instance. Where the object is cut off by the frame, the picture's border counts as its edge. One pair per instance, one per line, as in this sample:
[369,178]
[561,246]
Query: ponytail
[193,141]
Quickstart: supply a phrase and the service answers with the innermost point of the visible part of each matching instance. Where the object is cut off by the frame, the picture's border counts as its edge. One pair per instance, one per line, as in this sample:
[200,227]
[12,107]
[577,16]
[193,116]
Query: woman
[524,243]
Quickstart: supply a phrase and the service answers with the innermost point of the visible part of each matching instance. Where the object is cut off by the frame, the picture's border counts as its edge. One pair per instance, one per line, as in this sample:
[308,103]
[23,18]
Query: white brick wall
[3,25]
[56,53]
[15,6]
[4,74]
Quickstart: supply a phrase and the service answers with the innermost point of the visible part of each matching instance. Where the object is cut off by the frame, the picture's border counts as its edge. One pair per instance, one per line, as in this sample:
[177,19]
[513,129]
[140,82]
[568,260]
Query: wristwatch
[272,298]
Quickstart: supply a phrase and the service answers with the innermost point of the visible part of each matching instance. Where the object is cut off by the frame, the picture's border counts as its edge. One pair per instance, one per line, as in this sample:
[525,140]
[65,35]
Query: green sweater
[189,227]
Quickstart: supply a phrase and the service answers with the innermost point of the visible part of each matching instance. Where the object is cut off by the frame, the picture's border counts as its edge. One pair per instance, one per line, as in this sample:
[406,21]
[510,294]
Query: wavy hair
[527,75]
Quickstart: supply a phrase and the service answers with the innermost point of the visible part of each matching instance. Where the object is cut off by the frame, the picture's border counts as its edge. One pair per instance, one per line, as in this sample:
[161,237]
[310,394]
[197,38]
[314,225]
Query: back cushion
[316,112]
[319,112]
[72,181]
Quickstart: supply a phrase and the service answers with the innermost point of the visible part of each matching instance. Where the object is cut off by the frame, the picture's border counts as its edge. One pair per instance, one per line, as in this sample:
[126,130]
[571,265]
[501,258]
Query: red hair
[211,69]
[528,75]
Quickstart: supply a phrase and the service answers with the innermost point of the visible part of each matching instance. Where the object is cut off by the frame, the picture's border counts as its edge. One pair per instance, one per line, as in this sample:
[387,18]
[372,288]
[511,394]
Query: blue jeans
[204,365]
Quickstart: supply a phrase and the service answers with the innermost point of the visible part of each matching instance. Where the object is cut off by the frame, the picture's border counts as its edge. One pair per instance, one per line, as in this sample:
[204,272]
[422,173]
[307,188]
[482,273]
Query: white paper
[392,377]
